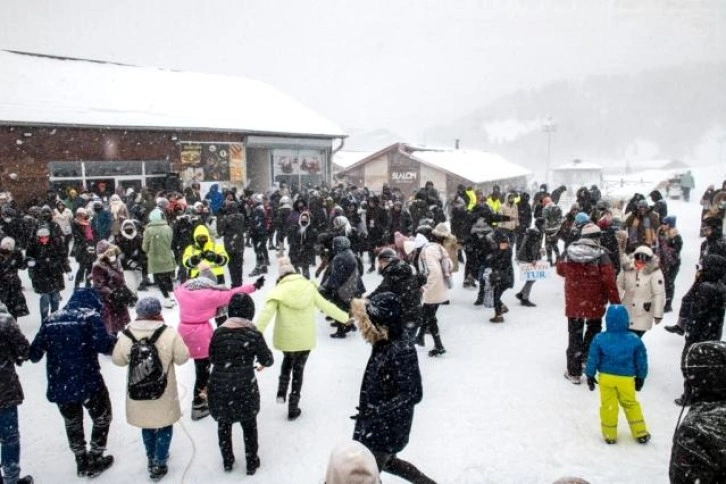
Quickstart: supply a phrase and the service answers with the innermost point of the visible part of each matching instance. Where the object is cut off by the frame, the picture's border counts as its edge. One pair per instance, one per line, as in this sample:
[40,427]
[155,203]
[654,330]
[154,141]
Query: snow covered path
[496,408]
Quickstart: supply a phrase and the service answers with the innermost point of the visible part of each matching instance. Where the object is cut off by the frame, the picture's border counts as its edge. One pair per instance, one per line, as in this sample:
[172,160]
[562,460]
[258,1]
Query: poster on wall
[210,162]
[298,167]
[403,173]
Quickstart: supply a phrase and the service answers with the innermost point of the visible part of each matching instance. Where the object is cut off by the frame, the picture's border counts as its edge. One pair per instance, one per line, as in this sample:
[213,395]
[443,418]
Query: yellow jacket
[194,254]
[472,200]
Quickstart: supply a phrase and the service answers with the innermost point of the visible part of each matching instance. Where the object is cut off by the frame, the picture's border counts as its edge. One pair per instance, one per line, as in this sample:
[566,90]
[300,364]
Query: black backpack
[147,378]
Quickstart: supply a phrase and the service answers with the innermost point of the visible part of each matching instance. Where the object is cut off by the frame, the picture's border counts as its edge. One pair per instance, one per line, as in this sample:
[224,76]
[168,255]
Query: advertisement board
[208,162]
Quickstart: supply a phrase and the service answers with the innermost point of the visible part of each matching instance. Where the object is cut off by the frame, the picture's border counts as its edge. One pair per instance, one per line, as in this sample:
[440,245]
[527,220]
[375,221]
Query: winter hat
[241,306]
[284,266]
[81,212]
[148,307]
[713,222]
[442,230]
[162,203]
[670,221]
[352,463]
[43,232]
[704,367]
[582,218]
[7,243]
[155,215]
[645,250]
[102,247]
[387,254]
[590,230]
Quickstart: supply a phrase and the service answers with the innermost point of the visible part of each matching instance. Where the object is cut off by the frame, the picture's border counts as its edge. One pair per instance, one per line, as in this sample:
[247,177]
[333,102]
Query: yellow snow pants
[616,389]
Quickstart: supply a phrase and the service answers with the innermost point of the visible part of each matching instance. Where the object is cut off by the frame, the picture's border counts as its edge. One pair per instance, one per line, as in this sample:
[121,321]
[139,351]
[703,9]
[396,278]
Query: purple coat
[108,278]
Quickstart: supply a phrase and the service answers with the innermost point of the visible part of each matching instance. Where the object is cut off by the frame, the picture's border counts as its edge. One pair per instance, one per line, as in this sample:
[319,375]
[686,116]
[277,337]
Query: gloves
[639,384]
[591,382]
[259,282]
[133,265]
[209,256]
[194,260]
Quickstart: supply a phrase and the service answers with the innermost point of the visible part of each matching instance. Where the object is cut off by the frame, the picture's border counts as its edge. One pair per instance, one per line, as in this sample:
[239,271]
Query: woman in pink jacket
[198,302]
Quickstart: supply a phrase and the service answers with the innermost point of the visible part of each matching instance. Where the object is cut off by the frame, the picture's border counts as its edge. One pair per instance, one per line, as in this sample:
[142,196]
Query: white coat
[154,414]
[432,261]
[640,290]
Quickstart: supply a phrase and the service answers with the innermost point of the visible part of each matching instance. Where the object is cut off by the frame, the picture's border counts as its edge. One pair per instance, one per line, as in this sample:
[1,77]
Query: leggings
[401,468]
[201,368]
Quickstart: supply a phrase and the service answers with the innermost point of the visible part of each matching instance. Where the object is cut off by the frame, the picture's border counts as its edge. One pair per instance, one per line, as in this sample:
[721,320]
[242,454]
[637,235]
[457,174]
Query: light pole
[548,127]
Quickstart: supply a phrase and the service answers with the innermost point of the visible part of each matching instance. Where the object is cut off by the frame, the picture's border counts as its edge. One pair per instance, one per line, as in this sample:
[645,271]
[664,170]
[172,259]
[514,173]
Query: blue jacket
[72,339]
[215,197]
[617,351]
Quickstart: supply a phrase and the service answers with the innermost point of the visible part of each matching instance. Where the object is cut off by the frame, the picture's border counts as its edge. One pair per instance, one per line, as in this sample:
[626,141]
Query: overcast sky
[397,64]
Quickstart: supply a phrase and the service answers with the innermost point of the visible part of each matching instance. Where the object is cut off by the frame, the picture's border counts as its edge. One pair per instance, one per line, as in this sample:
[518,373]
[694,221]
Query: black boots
[343,330]
[293,411]
[479,299]
[675,329]
[200,409]
[253,463]
[438,347]
[158,471]
[96,464]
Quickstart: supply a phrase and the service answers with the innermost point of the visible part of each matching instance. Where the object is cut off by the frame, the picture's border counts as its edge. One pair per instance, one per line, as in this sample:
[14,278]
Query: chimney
[456,143]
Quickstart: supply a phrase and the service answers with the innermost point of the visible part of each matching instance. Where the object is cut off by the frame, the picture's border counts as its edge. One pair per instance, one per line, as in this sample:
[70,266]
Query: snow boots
[643,439]
[525,301]
[470,281]
[293,411]
[343,330]
[575,380]
[438,347]
[258,271]
[498,318]
[96,464]
[158,471]
[253,463]
[200,409]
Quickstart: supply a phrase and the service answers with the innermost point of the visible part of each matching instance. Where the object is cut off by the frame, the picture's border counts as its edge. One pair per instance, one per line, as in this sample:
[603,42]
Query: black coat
[400,222]
[50,262]
[233,394]
[11,289]
[530,251]
[343,281]
[500,262]
[398,278]
[302,246]
[232,227]
[182,237]
[390,389]
[14,349]
[84,250]
[524,213]
[704,305]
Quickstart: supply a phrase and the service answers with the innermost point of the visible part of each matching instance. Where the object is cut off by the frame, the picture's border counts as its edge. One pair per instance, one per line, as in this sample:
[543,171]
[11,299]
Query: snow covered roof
[472,165]
[345,158]
[57,91]
[579,165]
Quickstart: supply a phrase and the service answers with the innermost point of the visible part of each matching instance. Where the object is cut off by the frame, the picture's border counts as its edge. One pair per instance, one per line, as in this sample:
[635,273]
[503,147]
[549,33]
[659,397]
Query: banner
[213,162]
[403,173]
[534,272]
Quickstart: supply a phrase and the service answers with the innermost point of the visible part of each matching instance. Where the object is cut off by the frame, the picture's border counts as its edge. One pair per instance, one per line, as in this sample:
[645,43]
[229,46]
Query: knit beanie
[148,307]
[590,230]
[102,247]
[43,231]
[581,218]
[352,463]
[670,220]
[241,306]
[284,267]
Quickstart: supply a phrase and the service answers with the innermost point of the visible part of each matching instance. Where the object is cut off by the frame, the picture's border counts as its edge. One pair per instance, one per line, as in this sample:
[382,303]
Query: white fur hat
[284,267]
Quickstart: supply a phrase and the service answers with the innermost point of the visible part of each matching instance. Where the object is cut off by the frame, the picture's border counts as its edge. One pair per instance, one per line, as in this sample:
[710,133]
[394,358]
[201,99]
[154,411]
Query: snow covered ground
[496,408]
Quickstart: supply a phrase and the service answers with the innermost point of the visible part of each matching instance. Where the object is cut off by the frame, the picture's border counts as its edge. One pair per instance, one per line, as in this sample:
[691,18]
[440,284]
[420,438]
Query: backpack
[146,378]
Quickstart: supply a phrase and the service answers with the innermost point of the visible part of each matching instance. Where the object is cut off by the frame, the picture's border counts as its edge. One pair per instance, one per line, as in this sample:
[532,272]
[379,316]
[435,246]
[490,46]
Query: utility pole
[548,127]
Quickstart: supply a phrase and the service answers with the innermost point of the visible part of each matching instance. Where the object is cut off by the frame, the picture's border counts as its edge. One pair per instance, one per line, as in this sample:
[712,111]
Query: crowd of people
[619,260]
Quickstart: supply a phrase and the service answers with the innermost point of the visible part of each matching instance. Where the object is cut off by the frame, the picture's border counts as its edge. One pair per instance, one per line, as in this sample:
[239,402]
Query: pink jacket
[196,308]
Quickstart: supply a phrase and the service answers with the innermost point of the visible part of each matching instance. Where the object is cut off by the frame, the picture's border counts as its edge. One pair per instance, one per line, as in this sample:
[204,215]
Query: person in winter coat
[119,214]
[704,309]
[687,184]
[660,206]
[101,222]
[552,214]
[292,302]
[622,362]
[641,226]
[529,252]
[609,230]
[157,245]
[399,221]
[231,226]
[183,235]
[205,249]
[670,244]
[14,349]
[63,216]
[156,417]
[377,220]
[589,286]
[524,216]
[12,226]
[391,386]
[302,238]
[133,259]
[352,462]
[198,301]
[448,241]
[214,197]
[72,338]
[84,247]
[259,223]
[11,289]
[47,262]
[434,263]
[699,442]
[399,279]
[642,290]
[233,394]
[501,277]
[510,209]
[342,281]
[108,280]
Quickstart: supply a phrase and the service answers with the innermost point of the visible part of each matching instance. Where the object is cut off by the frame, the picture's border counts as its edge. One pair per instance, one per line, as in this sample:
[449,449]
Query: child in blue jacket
[618,355]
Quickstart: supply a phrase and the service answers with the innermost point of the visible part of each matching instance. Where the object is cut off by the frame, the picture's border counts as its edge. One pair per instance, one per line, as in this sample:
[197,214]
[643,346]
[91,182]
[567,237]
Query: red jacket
[589,280]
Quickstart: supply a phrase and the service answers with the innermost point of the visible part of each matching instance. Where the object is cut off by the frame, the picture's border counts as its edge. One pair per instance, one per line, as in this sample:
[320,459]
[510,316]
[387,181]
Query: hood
[126,224]
[352,463]
[584,250]
[705,370]
[214,187]
[84,298]
[651,266]
[294,291]
[616,319]
[524,198]
[713,267]
[655,195]
[340,244]
[202,230]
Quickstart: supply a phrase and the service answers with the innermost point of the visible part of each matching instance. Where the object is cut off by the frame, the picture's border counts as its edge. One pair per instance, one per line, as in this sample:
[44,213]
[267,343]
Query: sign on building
[403,173]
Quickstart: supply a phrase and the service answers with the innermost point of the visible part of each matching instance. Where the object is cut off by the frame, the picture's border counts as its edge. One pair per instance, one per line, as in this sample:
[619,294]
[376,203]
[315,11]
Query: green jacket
[294,300]
[157,245]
